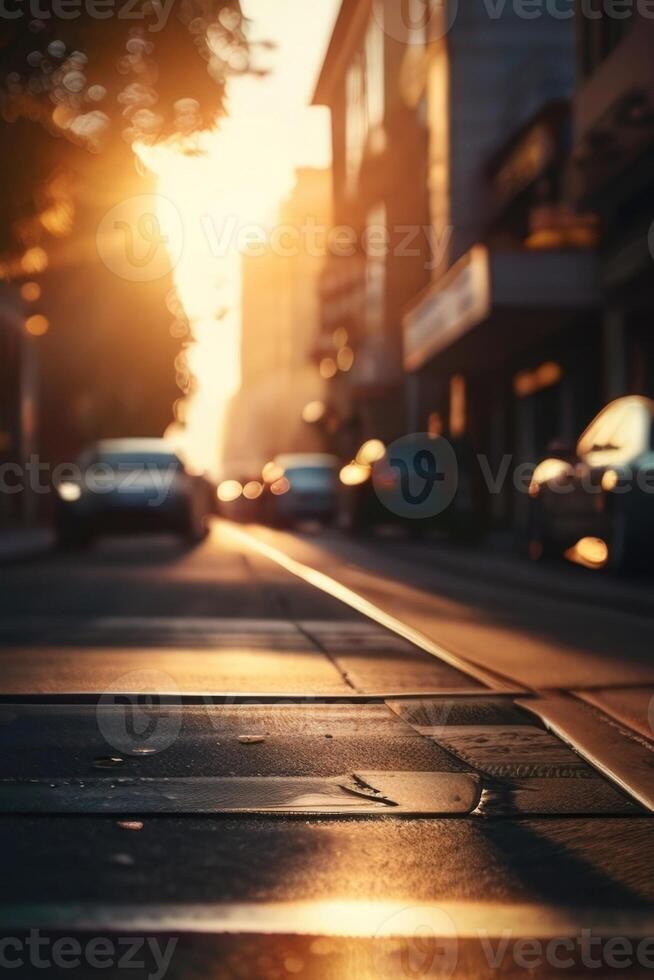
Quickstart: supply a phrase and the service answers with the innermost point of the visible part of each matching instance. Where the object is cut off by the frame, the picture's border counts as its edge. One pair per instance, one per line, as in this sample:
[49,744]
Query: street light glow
[272,472]
[354,474]
[70,492]
[37,325]
[252,490]
[314,412]
[371,452]
[229,491]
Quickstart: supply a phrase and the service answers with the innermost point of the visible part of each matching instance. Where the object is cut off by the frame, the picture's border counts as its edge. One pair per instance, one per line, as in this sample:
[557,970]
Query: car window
[139,461]
[309,477]
[618,435]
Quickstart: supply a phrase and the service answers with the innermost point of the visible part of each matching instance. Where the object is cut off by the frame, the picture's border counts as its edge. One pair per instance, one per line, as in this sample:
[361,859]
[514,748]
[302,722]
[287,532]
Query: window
[355,121]
[601,32]
[416,18]
[364,97]
[375,76]
[375,273]
[458,406]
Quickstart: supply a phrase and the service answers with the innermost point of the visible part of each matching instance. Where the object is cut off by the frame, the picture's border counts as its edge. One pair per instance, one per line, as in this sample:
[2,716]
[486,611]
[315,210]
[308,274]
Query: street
[326,489]
[269,810]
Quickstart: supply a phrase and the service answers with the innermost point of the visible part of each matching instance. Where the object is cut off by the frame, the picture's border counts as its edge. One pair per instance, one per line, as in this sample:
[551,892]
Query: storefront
[503,353]
[17,409]
[614,175]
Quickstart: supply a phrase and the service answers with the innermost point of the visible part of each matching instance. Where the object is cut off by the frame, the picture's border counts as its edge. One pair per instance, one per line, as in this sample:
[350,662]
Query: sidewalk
[514,621]
[17,543]
[555,579]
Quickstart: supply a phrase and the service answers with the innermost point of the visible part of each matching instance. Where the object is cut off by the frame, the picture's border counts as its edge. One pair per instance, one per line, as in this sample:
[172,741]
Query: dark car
[131,485]
[301,487]
[375,494]
[598,497]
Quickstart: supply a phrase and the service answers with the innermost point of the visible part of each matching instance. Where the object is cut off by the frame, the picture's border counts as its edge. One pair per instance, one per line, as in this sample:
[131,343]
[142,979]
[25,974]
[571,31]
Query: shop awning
[483,282]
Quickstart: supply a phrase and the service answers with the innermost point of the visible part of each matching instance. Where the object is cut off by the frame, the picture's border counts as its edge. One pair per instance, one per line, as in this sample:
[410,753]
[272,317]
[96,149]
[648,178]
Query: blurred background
[262,230]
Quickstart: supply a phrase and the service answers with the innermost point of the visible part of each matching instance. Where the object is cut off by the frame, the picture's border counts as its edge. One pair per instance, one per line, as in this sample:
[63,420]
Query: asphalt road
[201,747]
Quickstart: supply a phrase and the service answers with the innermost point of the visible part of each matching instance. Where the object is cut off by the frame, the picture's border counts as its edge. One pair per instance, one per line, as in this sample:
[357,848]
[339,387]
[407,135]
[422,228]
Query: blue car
[131,485]
[304,488]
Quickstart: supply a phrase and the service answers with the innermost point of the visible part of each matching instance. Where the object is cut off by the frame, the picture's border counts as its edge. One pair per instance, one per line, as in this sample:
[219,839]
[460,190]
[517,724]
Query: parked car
[301,487]
[373,493]
[135,485]
[599,495]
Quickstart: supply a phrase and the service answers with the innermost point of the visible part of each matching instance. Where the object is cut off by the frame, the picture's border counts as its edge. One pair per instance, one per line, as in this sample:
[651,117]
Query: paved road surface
[308,794]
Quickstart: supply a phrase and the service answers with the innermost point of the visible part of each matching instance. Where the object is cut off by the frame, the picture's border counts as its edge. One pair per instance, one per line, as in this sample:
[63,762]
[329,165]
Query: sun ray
[222,190]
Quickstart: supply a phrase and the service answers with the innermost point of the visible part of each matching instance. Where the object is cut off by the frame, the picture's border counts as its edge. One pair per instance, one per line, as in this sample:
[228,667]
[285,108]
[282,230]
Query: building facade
[380,255]
[18,411]
[280,318]
[501,349]
[614,175]
[521,149]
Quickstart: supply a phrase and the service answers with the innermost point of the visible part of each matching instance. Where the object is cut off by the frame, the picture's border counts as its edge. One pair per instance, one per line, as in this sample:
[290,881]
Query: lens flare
[272,472]
[37,325]
[280,487]
[371,452]
[589,552]
[252,490]
[70,492]
[229,491]
[30,291]
[314,412]
[220,182]
[354,474]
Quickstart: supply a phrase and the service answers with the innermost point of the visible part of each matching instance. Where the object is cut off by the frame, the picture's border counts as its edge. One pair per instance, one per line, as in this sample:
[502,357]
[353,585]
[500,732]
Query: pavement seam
[346,595]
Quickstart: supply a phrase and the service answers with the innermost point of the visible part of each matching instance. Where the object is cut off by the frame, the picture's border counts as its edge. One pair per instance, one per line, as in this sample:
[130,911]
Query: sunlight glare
[236,178]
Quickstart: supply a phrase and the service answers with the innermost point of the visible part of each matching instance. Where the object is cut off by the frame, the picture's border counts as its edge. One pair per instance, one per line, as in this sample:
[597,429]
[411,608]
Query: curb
[557,581]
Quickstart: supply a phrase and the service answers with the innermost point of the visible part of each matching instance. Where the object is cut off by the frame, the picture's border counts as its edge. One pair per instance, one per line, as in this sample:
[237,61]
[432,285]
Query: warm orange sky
[246,171]
[301,29]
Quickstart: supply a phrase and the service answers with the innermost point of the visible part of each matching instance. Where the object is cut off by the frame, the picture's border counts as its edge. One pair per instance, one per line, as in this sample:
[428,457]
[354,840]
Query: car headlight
[354,474]
[69,492]
[549,471]
[610,480]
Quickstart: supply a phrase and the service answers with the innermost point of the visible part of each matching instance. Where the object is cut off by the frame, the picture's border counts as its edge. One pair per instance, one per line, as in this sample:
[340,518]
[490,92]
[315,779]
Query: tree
[82,80]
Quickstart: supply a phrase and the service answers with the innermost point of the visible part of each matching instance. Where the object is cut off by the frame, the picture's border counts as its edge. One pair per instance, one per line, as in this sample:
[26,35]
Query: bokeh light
[37,325]
[229,491]
[30,291]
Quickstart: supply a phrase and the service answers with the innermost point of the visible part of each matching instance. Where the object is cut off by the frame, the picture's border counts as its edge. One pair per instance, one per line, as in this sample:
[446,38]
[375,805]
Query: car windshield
[306,477]
[139,461]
